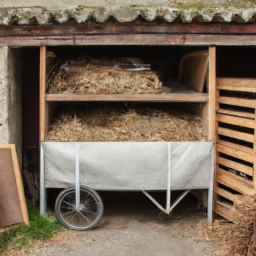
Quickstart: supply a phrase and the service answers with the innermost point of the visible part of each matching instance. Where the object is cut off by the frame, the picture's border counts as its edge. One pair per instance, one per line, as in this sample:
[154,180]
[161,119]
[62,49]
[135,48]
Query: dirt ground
[132,225]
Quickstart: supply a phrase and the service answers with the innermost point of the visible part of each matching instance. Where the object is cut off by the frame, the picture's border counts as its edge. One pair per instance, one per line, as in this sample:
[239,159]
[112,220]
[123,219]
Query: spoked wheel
[87,216]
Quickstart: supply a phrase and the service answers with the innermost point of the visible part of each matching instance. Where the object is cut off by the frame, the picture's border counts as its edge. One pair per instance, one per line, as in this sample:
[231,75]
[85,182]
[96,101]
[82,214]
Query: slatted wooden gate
[236,142]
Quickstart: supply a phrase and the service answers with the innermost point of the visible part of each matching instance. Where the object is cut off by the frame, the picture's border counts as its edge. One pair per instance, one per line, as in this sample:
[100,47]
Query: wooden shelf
[202,97]
[172,92]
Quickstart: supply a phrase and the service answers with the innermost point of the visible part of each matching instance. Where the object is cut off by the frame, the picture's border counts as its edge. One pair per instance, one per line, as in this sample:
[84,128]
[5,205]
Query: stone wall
[10,98]
[4,97]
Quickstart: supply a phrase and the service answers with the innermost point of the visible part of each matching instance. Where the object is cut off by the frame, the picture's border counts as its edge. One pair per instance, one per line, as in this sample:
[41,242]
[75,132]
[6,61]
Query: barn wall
[10,98]
[4,97]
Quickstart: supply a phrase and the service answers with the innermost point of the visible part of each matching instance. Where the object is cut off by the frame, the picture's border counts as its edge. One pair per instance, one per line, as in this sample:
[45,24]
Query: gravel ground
[132,225]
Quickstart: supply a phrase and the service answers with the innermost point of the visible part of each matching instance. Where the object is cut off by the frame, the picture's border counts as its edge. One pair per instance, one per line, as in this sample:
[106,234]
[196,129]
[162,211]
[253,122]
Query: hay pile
[94,76]
[238,237]
[126,123]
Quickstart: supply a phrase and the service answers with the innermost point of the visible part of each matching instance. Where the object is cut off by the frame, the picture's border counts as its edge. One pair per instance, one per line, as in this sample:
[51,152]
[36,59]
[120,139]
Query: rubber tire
[64,193]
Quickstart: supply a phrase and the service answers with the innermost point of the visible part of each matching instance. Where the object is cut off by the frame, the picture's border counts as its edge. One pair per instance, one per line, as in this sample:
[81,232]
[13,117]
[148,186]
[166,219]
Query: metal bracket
[169,206]
[167,211]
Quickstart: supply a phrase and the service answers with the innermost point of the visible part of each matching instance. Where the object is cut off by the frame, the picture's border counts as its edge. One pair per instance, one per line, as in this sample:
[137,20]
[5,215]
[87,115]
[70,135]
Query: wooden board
[179,93]
[236,135]
[237,102]
[237,84]
[226,194]
[192,71]
[138,26]
[226,210]
[13,208]
[135,39]
[236,121]
[235,145]
[125,97]
[231,150]
[235,182]
[236,166]
[237,113]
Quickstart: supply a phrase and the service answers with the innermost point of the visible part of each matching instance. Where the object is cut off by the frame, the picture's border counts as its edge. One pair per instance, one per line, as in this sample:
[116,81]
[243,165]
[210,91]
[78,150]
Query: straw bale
[126,123]
[100,76]
[236,236]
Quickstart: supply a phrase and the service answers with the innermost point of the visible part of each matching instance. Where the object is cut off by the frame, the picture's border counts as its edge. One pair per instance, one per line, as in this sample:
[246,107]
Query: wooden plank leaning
[13,207]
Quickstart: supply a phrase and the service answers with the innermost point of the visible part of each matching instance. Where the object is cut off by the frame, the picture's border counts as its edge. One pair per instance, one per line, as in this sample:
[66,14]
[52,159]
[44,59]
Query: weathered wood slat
[238,102]
[235,182]
[236,135]
[236,166]
[254,174]
[226,210]
[237,84]
[236,113]
[238,147]
[12,181]
[236,88]
[226,194]
[139,26]
[232,150]
[134,39]
[124,97]
[236,121]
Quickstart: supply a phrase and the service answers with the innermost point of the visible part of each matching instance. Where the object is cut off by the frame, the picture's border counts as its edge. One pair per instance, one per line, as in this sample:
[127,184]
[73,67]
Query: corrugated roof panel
[42,15]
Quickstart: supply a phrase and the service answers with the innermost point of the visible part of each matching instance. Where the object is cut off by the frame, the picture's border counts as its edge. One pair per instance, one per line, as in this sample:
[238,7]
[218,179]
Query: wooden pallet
[236,142]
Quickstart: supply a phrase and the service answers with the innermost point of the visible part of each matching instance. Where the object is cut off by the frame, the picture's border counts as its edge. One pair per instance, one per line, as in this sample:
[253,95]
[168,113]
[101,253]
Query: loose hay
[238,236]
[92,76]
[126,123]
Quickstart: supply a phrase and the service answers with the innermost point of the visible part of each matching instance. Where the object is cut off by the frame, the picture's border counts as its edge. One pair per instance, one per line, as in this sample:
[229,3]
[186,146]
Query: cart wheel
[87,216]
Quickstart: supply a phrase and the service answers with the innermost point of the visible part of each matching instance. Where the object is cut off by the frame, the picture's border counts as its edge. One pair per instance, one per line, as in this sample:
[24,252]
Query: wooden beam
[254,175]
[138,26]
[227,211]
[237,84]
[42,93]
[226,194]
[237,102]
[134,39]
[212,93]
[235,182]
[254,143]
[235,165]
[236,113]
[236,121]
[237,153]
[235,145]
[124,97]
[236,135]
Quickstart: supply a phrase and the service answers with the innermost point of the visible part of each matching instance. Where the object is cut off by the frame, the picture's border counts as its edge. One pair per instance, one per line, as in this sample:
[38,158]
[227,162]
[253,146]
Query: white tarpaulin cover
[128,165]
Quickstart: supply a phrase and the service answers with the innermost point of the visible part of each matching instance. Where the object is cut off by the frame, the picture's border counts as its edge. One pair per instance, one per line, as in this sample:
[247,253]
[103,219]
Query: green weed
[41,228]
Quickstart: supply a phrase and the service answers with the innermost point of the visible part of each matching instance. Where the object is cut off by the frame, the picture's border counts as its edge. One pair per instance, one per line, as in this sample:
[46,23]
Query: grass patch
[41,228]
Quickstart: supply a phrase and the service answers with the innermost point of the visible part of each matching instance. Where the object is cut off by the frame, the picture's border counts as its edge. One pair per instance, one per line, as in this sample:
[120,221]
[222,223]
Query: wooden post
[212,110]
[212,93]
[42,92]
